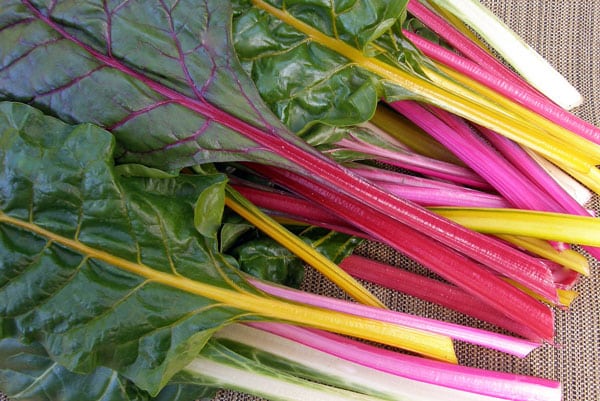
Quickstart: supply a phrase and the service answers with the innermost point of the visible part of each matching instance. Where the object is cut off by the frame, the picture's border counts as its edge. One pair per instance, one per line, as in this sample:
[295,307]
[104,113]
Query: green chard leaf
[265,259]
[91,262]
[161,76]
[27,373]
[306,83]
[105,269]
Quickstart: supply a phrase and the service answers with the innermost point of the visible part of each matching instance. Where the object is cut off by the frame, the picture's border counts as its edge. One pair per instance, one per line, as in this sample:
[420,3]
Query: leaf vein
[111,308]
[70,83]
[274,53]
[26,54]
[37,380]
[132,115]
[181,56]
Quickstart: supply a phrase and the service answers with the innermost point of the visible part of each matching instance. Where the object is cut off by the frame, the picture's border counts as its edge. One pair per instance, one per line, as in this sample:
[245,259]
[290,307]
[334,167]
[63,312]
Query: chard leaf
[264,258]
[306,83]
[334,245]
[92,263]
[105,270]
[161,76]
[232,229]
[27,373]
[267,260]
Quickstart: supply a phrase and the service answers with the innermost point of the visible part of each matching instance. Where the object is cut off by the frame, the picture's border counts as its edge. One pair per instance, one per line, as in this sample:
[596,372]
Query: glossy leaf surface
[82,250]
[27,373]
[306,83]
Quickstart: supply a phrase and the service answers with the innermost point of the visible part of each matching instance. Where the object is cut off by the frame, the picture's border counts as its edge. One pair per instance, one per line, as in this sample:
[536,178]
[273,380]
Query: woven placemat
[567,33]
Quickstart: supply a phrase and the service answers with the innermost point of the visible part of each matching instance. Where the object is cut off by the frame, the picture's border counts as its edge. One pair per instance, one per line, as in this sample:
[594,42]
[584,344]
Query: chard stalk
[507,344]
[533,67]
[506,86]
[578,192]
[553,129]
[431,290]
[409,160]
[235,201]
[565,297]
[437,257]
[459,138]
[299,210]
[264,382]
[528,223]
[461,42]
[405,131]
[321,358]
[568,258]
[462,197]
[433,345]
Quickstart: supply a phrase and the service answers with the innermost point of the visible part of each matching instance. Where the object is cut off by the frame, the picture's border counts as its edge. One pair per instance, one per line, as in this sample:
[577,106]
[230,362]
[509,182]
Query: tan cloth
[567,33]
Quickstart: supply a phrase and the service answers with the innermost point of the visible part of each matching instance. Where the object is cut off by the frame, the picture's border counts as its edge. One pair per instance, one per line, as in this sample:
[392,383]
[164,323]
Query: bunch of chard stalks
[461,168]
[498,266]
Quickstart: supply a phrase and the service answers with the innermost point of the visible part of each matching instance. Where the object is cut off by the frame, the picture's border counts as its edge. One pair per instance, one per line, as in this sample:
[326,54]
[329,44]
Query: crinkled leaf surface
[306,83]
[160,75]
[80,245]
[27,373]
[263,257]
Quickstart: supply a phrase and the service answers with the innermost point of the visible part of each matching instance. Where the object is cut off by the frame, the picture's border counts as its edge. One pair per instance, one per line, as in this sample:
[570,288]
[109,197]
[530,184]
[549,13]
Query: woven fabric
[566,33]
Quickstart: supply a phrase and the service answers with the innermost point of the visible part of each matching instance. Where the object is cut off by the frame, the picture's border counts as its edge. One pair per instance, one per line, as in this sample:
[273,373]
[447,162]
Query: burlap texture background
[567,33]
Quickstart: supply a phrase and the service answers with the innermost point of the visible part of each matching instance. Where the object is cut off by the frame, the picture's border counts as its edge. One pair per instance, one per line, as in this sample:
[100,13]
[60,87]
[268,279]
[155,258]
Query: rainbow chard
[165,80]
[537,71]
[125,272]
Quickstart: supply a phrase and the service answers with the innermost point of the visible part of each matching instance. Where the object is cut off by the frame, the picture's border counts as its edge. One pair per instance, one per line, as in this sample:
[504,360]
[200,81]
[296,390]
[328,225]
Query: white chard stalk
[577,191]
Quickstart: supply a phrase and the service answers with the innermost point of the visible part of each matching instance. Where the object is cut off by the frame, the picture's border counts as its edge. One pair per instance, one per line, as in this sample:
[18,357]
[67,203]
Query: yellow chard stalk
[308,254]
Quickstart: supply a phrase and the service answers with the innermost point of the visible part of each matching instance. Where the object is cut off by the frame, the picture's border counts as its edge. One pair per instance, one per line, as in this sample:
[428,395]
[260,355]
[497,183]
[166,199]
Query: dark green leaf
[305,83]
[334,245]
[232,229]
[208,212]
[61,206]
[27,373]
[139,170]
[265,259]
[162,77]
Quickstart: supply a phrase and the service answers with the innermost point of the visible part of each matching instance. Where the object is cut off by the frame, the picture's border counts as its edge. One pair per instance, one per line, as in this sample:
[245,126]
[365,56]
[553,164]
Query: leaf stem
[429,344]
[551,226]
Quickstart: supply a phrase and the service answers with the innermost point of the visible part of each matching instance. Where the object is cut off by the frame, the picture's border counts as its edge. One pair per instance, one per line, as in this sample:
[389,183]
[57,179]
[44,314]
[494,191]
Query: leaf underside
[161,76]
